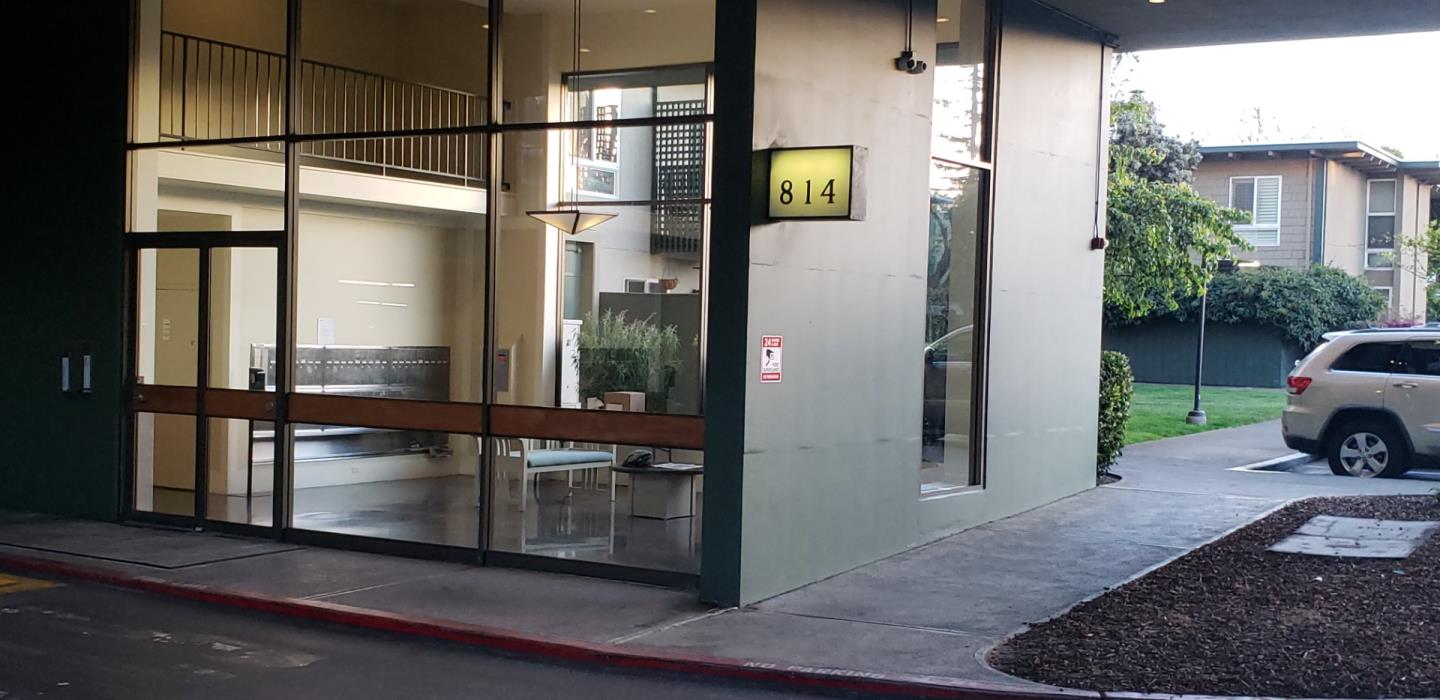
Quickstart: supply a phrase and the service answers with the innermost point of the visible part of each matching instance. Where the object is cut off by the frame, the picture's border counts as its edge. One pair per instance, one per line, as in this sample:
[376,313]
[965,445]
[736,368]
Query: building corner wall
[1046,282]
[832,452]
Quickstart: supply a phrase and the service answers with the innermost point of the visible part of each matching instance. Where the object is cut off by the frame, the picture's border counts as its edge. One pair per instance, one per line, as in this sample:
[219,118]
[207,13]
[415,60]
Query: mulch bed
[1231,618]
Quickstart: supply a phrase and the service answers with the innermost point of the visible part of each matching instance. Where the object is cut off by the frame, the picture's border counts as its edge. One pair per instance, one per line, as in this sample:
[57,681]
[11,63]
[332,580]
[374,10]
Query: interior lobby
[390,293]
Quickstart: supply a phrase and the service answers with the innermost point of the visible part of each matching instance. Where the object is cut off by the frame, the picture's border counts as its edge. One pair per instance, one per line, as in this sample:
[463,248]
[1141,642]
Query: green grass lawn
[1158,410]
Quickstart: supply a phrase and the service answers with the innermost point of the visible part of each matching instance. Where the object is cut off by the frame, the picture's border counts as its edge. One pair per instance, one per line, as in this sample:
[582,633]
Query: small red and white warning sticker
[771,349]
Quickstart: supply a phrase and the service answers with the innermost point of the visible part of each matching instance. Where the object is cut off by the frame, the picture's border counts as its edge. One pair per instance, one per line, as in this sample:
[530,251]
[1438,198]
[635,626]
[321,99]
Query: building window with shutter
[1258,197]
[1380,225]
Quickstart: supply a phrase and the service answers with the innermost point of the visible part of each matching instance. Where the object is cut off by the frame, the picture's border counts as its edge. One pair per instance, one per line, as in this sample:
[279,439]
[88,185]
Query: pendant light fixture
[572,220]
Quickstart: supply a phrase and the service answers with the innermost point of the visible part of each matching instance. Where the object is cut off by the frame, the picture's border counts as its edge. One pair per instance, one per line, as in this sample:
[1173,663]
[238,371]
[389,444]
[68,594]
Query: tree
[1426,247]
[1165,240]
[1169,159]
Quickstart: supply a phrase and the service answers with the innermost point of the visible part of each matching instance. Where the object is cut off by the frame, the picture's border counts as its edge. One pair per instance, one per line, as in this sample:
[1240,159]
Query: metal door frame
[204,243]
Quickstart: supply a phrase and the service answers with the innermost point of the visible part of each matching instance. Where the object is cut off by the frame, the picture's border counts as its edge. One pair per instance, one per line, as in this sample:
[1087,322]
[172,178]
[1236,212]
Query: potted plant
[617,353]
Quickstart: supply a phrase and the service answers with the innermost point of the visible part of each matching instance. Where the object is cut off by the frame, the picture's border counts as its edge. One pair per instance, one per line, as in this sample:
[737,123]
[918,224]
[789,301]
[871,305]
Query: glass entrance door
[204,432]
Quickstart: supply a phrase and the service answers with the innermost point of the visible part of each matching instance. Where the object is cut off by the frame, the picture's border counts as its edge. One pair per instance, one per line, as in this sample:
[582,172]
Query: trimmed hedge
[1117,387]
[1301,304]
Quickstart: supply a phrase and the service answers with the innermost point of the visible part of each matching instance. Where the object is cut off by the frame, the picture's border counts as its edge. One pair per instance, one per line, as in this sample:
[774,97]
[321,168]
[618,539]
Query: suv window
[1367,357]
[1423,358]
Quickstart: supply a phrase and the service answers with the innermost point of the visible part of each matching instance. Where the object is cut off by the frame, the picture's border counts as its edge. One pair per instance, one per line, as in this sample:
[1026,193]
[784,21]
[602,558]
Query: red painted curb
[899,685]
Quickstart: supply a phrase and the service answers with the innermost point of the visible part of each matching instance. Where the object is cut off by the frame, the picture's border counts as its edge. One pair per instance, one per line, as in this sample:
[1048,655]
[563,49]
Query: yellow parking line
[18,584]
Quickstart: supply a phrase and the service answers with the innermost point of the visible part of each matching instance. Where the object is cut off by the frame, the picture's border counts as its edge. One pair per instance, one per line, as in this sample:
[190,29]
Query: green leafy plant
[1301,305]
[1166,240]
[1117,388]
[1422,259]
[622,354]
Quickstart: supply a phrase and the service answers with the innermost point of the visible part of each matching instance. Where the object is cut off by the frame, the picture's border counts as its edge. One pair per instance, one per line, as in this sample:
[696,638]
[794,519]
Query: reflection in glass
[390,288]
[958,120]
[412,485]
[575,500]
[956,197]
[165,463]
[242,317]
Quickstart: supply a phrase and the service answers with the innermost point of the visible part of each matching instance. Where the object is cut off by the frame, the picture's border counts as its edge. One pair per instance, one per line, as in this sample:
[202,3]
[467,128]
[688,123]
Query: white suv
[1369,401]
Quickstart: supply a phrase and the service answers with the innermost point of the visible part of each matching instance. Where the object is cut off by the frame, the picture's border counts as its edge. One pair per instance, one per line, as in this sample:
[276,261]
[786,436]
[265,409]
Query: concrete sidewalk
[928,612]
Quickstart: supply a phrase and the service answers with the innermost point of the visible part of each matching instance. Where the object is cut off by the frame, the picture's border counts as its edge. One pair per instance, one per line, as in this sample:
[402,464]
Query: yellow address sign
[823,182]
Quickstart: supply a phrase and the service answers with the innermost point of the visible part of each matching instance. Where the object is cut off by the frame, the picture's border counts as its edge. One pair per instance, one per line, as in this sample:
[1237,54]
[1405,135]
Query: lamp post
[1196,416]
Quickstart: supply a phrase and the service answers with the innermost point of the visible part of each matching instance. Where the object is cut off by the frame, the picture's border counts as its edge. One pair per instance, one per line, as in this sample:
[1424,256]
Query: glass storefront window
[412,485]
[959,182]
[167,316]
[390,288]
[956,200]
[190,189]
[243,292]
[616,41]
[164,460]
[365,67]
[241,456]
[208,69]
[390,255]
[581,500]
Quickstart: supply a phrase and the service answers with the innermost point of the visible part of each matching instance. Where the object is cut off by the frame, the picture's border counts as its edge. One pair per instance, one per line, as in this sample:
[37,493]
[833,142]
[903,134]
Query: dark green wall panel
[1163,352]
[61,275]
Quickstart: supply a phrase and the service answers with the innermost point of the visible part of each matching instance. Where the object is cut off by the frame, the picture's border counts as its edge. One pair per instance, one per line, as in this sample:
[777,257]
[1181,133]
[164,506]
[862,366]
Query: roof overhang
[1141,25]
[1371,161]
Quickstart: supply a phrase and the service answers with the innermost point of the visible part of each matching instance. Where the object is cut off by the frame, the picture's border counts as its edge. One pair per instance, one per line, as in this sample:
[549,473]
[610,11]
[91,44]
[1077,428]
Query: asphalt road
[79,640]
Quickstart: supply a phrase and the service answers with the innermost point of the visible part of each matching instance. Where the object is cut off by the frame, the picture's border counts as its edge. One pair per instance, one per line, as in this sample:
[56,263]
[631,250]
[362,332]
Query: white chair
[522,457]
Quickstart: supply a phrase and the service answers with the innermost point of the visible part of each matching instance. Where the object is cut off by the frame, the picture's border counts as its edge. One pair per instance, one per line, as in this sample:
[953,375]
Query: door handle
[1407,385]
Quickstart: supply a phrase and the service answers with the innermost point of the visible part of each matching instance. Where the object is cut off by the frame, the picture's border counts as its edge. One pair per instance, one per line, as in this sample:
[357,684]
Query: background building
[1342,204]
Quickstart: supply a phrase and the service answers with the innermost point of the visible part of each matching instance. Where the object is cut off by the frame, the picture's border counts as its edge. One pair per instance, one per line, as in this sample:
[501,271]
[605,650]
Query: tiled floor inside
[577,522]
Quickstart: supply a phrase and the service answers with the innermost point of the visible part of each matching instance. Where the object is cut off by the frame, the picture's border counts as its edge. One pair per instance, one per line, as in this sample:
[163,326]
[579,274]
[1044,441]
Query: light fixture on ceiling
[584,50]
[941,20]
[1157,2]
[571,221]
[484,26]
[650,11]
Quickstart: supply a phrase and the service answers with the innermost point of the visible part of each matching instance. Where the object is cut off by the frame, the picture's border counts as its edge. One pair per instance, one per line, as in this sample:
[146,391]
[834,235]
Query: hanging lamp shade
[569,220]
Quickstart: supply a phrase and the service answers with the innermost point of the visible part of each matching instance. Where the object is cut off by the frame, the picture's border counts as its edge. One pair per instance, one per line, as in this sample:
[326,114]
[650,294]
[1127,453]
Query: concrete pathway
[930,611]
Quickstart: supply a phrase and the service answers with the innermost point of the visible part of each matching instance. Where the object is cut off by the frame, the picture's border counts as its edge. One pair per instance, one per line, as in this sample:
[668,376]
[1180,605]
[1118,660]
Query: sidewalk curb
[1283,463]
[574,651]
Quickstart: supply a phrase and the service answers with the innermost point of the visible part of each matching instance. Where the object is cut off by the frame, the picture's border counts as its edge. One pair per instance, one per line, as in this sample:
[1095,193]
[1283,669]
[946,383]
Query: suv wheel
[1367,449]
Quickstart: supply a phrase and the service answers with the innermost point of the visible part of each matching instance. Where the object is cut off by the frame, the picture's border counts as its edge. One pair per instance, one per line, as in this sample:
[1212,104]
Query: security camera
[909,64]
